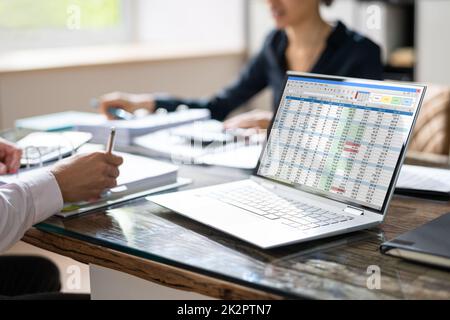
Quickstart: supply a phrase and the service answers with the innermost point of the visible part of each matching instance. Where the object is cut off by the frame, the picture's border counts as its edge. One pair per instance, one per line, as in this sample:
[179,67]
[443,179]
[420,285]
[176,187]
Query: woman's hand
[127,101]
[255,119]
[9,157]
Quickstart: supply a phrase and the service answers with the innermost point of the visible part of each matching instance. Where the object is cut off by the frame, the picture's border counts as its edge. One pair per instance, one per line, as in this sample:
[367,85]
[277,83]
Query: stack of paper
[203,142]
[139,173]
[139,176]
[126,130]
[424,181]
[59,121]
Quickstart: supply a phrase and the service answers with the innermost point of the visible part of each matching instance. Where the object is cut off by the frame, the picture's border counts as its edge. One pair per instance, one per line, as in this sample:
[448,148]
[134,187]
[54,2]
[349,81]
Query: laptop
[329,166]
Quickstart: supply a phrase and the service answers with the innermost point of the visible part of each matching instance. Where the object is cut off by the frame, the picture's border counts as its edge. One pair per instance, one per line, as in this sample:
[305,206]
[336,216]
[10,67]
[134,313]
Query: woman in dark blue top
[303,41]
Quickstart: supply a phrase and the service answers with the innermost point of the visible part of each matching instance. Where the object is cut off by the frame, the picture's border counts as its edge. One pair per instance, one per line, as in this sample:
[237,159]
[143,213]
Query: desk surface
[153,243]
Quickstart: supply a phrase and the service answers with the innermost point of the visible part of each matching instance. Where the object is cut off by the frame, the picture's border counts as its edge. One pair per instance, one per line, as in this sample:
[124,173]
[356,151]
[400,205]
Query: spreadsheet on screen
[340,138]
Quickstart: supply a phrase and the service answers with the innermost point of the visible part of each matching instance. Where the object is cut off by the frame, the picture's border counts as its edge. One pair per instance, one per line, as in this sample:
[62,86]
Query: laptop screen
[340,138]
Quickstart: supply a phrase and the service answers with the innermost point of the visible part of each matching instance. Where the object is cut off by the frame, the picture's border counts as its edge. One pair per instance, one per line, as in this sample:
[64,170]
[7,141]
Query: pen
[121,114]
[110,145]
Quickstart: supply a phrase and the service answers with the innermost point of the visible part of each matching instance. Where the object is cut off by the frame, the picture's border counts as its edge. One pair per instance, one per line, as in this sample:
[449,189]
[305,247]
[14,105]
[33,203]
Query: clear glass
[335,267]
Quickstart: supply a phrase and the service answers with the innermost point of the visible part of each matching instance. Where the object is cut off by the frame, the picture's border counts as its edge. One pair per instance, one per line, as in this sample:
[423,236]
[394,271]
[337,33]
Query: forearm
[219,109]
[26,203]
[220,105]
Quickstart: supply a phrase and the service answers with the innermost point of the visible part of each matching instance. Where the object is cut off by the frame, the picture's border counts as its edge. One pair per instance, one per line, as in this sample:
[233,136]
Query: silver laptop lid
[341,138]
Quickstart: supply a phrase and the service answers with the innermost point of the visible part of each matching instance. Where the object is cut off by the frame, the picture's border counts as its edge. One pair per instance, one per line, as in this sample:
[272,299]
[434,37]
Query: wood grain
[158,245]
[145,269]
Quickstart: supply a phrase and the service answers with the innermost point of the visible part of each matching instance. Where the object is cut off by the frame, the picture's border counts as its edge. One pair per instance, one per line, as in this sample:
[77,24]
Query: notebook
[139,176]
[429,243]
[424,182]
[127,130]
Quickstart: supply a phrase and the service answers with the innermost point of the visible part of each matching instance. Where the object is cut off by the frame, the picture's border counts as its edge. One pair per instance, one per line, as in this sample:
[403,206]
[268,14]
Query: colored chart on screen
[340,138]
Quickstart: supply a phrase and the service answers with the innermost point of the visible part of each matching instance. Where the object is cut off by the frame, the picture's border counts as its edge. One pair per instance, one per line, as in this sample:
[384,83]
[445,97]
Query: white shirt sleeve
[25,203]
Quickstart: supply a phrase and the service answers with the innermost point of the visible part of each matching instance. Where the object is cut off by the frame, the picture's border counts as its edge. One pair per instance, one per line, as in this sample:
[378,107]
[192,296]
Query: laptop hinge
[354,211]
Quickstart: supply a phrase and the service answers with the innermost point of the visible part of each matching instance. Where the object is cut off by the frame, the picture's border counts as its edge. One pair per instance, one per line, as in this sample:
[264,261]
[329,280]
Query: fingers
[257,119]
[248,132]
[3,169]
[245,120]
[105,157]
[109,183]
[106,105]
[95,192]
[116,100]
[113,159]
[116,95]
[232,123]
[108,170]
[12,160]
[228,124]
[112,171]
[242,123]
[100,172]
[248,124]
[10,157]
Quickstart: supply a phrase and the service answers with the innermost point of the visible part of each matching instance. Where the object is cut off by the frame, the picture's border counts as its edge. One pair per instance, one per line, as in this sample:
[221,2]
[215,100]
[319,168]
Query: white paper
[128,129]
[244,157]
[424,178]
[176,144]
[133,169]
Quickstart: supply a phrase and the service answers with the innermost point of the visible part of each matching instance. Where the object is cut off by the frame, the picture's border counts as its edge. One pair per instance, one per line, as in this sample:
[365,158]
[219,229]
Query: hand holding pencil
[84,177]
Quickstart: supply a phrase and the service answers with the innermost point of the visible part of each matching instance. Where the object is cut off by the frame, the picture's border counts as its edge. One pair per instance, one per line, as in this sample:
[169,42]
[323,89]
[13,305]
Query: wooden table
[152,243]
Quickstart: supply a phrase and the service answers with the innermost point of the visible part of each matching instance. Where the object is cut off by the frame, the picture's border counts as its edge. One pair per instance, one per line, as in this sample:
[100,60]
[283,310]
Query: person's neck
[306,33]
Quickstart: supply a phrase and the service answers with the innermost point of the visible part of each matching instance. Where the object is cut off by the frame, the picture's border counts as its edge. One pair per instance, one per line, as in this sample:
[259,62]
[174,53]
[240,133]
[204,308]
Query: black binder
[426,194]
[429,243]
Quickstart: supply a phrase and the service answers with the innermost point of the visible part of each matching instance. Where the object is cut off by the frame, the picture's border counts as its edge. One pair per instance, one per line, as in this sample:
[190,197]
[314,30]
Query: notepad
[138,173]
[424,181]
[139,176]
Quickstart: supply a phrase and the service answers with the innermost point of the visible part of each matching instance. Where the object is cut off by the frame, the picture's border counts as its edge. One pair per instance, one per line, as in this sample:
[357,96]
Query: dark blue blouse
[347,53]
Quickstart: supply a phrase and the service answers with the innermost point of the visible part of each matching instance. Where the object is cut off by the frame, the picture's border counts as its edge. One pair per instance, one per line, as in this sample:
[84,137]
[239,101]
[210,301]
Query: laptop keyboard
[274,207]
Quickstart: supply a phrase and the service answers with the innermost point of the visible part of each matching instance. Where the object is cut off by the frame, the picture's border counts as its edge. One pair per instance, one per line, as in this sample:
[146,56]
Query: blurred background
[56,55]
